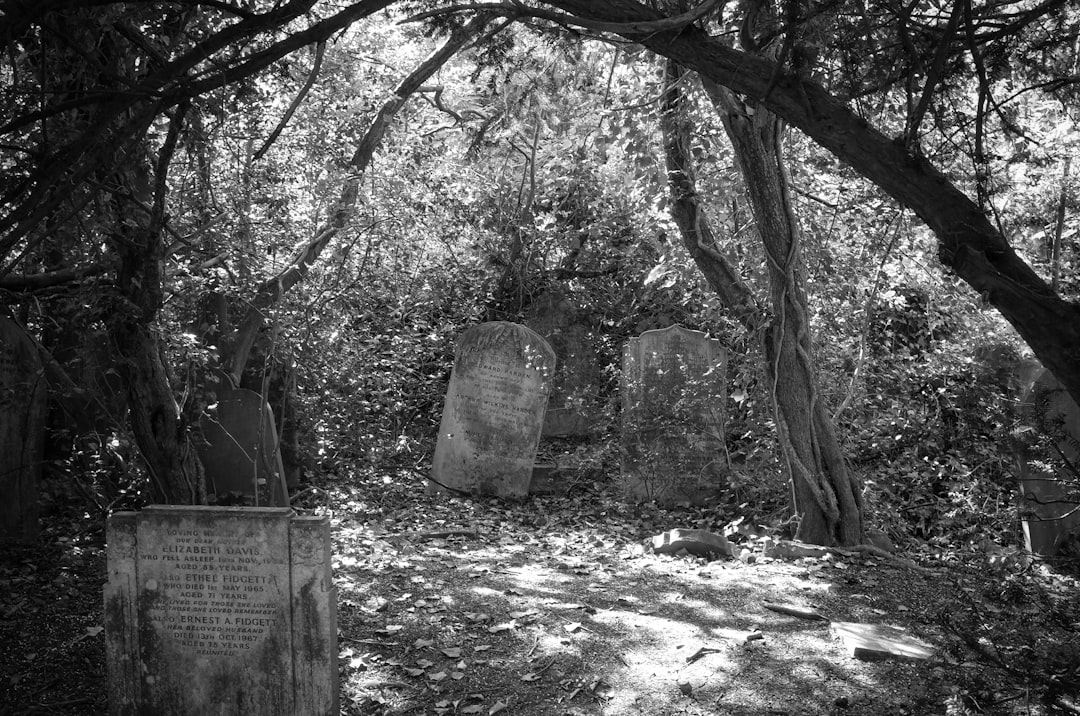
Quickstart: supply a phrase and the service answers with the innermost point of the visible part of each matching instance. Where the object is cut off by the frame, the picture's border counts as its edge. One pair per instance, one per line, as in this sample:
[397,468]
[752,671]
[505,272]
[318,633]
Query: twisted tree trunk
[826,494]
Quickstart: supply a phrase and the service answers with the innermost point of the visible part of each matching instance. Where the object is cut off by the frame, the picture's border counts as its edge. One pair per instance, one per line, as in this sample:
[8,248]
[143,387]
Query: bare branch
[33,282]
[320,51]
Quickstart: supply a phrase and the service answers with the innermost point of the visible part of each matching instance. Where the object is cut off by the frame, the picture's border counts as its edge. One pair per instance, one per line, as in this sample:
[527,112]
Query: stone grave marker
[1049,510]
[672,430]
[574,406]
[23,410]
[494,411]
[228,611]
[241,454]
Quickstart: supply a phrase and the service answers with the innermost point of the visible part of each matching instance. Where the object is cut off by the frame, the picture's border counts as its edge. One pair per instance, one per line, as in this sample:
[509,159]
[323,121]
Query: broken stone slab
[786,549]
[700,543]
[879,641]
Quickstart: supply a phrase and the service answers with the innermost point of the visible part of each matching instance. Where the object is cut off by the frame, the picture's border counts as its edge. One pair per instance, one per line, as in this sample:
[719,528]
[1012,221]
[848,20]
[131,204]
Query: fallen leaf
[452,652]
[522,614]
[499,706]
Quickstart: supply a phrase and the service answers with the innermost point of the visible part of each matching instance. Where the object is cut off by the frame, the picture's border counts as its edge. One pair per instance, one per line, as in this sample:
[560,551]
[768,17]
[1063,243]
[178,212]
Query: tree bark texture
[827,495]
[967,240]
[174,470]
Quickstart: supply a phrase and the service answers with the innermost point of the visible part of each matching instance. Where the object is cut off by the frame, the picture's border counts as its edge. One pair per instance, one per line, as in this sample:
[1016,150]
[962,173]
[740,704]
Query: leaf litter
[555,605]
[573,614]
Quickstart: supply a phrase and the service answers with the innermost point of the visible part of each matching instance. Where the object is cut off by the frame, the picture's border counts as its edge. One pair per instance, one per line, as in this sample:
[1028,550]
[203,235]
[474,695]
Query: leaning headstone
[22,433]
[241,456]
[672,429]
[1050,468]
[574,406]
[220,610]
[494,411]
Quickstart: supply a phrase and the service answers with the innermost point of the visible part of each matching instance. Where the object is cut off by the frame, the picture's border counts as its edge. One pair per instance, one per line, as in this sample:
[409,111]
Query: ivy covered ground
[554,606]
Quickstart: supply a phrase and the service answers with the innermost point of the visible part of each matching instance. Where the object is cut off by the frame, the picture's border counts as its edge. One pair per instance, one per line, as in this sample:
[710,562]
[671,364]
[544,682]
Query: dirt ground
[555,606]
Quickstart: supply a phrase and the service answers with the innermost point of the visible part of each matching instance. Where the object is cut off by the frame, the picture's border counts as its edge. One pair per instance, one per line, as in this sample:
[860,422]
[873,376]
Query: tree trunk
[826,494]
[968,242]
[174,470]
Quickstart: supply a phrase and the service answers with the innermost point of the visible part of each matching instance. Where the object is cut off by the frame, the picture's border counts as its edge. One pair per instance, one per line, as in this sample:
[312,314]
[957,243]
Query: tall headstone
[494,411]
[672,428]
[241,455]
[574,405]
[1050,477]
[224,611]
[23,410]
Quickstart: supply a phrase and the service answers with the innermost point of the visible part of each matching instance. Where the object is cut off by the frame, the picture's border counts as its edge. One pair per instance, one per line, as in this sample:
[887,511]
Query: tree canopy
[199,190]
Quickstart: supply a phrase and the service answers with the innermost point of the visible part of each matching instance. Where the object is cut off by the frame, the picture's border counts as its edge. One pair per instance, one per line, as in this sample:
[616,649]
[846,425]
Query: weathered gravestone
[1050,476]
[220,611]
[494,411]
[574,406]
[22,433]
[241,455]
[672,398]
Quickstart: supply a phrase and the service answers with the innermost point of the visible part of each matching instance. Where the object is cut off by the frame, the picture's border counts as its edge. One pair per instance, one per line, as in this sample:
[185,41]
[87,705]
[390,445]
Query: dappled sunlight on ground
[505,615]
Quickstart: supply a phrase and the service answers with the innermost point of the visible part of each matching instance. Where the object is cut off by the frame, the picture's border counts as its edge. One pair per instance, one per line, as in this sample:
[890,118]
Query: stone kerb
[494,411]
[23,408]
[1050,488]
[672,429]
[223,611]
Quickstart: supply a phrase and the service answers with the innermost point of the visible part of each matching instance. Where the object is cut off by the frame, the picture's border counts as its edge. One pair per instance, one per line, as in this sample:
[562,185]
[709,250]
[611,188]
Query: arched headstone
[23,407]
[672,403]
[1049,509]
[574,404]
[241,454]
[494,410]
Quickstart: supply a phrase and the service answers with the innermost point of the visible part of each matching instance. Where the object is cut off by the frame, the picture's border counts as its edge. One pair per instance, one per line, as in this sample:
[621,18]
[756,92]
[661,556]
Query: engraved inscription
[217,595]
[673,394]
[494,410]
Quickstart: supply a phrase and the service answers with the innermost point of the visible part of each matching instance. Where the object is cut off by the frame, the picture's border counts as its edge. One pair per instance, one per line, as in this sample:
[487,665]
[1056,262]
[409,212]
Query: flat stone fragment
[786,549]
[700,543]
[878,641]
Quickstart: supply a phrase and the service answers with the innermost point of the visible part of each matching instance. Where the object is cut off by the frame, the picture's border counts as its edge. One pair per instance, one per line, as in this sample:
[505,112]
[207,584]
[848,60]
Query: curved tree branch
[514,9]
[968,242]
[320,51]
